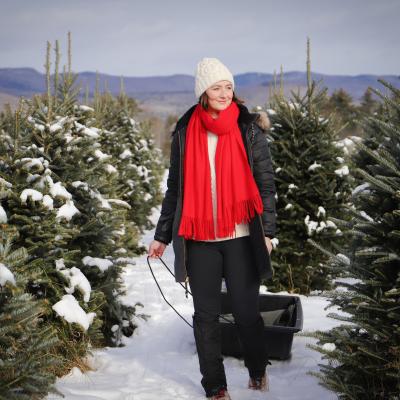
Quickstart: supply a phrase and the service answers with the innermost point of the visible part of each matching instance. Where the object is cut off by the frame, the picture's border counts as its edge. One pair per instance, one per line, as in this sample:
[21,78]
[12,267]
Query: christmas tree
[311,178]
[91,206]
[368,104]
[36,202]
[364,352]
[340,104]
[134,157]
[64,194]
[27,347]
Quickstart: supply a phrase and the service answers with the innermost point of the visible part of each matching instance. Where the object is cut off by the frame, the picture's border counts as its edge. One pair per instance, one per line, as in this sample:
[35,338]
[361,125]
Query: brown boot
[221,395]
[261,384]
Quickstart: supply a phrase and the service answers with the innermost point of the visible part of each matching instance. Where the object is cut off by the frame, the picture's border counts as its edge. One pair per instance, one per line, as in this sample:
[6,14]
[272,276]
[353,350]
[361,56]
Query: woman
[219,211]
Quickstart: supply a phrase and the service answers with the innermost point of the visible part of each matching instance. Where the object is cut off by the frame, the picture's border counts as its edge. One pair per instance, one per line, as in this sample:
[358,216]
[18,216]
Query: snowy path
[160,362]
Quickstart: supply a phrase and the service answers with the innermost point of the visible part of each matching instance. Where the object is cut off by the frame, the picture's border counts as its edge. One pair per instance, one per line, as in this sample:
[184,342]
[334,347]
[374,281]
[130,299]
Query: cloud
[167,37]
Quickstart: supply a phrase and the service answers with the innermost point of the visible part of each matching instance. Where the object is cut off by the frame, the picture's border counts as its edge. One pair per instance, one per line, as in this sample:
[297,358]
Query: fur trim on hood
[263,120]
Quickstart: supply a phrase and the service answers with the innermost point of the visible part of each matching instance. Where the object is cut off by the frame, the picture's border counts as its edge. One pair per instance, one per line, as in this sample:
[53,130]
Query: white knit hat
[210,71]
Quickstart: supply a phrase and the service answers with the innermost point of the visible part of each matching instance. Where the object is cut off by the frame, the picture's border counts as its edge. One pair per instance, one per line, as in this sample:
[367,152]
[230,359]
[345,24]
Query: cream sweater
[240,229]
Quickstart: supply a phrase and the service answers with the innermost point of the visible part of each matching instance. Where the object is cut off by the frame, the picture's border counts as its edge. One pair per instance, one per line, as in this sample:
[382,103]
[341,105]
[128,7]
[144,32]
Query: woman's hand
[156,249]
[268,244]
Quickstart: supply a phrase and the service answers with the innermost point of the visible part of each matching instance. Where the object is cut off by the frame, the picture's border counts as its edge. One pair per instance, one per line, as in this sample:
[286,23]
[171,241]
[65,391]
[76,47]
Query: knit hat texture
[210,71]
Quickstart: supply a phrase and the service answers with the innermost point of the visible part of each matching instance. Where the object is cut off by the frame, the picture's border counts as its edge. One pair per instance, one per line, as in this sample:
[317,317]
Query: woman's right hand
[156,249]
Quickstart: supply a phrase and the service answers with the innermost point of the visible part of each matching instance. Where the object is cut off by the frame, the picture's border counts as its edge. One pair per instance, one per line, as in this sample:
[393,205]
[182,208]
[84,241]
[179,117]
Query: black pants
[207,263]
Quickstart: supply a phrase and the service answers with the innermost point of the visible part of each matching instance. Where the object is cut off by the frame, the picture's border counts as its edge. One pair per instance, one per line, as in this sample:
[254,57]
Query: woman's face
[220,95]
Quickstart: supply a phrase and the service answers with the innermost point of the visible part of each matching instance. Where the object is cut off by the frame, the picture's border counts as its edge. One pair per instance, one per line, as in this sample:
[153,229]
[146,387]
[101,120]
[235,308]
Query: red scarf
[238,197]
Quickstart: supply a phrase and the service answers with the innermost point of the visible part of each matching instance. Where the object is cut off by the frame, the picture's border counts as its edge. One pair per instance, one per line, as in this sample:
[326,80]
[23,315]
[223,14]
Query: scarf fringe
[240,212]
[195,228]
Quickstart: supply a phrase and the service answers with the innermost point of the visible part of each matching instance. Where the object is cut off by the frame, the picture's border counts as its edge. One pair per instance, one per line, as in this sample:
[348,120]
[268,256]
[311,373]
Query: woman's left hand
[268,244]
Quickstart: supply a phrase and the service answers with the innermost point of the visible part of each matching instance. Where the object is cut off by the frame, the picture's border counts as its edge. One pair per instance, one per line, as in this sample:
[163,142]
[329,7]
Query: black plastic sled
[282,315]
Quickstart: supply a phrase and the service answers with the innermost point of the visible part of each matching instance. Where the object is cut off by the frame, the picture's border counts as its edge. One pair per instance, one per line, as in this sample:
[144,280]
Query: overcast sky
[149,37]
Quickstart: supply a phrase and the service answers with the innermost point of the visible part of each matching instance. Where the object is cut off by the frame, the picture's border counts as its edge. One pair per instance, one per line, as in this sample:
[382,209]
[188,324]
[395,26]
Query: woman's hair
[203,100]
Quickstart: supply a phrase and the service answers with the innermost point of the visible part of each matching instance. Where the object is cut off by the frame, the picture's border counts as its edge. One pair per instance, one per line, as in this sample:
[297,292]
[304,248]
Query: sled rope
[186,291]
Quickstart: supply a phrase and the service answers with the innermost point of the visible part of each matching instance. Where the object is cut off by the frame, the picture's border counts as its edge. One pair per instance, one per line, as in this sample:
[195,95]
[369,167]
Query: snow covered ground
[160,362]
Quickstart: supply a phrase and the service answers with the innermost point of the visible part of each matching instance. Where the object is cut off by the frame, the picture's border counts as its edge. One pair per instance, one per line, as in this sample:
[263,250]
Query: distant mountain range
[163,95]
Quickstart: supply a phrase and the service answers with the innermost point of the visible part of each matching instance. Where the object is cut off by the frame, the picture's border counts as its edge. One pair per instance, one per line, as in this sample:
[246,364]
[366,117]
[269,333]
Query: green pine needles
[363,354]
[77,183]
[26,361]
[312,180]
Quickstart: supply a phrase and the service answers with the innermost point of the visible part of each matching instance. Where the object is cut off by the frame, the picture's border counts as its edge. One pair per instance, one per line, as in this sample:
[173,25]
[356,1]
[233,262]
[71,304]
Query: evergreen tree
[368,105]
[69,213]
[71,141]
[136,162]
[27,347]
[312,185]
[364,352]
[341,104]
[33,202]
[372,134]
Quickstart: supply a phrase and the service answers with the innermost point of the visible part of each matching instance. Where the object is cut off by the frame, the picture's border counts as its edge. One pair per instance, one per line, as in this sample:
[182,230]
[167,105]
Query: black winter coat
[259,158]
